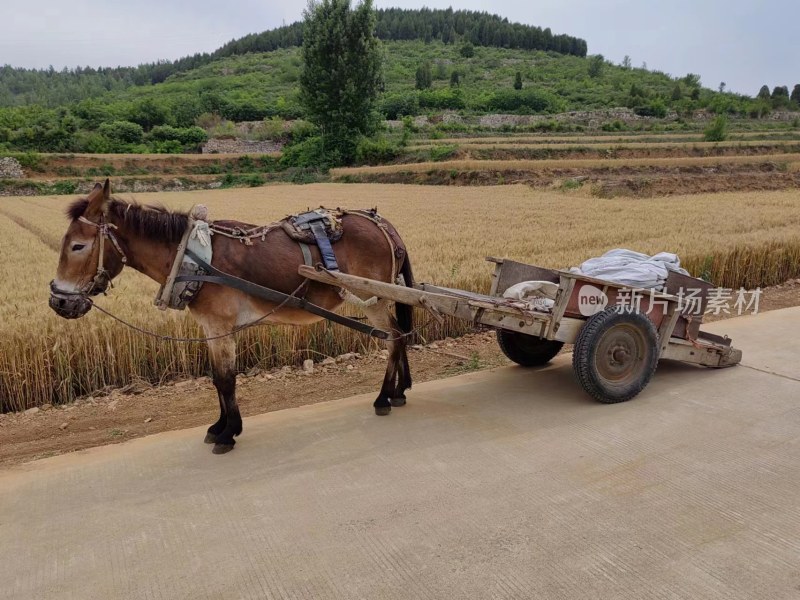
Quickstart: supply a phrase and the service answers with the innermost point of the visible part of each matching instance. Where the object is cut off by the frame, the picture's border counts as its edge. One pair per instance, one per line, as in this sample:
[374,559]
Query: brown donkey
[106,234]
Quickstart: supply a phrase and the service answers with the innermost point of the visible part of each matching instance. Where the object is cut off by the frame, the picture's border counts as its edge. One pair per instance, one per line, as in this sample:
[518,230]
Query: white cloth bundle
[538,295]
[631,268]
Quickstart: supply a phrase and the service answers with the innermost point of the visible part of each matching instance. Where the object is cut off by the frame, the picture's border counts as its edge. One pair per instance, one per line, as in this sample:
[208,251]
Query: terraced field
[603,164]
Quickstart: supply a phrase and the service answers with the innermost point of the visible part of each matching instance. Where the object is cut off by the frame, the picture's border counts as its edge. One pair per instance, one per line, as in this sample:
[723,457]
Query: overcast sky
[742,42]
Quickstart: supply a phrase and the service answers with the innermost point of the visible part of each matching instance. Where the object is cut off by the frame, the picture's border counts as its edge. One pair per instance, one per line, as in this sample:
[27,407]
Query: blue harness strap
[325,248]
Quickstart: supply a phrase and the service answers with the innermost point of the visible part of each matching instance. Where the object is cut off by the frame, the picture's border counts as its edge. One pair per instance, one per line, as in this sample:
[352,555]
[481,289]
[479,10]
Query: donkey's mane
[152,222]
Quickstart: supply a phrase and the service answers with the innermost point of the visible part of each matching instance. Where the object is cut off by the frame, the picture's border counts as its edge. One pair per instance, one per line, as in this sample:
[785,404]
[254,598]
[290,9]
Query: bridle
[102,278]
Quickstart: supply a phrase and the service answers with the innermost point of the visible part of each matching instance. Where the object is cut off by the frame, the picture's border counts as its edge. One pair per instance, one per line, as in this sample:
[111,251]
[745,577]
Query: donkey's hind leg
[391,392]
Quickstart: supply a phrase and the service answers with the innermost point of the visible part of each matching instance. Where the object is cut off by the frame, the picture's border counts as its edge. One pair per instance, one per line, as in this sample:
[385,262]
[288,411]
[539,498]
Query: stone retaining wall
[10,168]
[228,146]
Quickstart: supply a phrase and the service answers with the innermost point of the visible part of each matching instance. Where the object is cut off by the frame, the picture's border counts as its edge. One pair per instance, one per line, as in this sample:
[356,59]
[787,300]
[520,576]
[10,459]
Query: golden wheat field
[736,239]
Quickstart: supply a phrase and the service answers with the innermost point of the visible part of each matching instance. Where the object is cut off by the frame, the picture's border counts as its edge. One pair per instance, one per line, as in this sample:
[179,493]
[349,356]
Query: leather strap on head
[103,232]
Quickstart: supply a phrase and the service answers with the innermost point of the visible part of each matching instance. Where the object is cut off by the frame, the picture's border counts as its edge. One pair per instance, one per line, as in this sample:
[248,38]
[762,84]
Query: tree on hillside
[722,85]
[763,93]
[455,79]
[626,62]
[518,81]
[795,97]
[424,76]
[467,50]
[677,91]
[692,80]
[780,96]
[780,91]
[596,64]
[341,75]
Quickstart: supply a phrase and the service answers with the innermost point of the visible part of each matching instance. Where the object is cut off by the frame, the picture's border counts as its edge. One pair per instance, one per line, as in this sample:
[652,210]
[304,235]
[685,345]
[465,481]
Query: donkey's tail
[405,313]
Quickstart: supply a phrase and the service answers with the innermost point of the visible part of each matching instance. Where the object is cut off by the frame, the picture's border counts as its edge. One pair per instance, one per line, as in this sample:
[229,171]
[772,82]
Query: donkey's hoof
[382,411]
[222,448]
[398,401]
[211,438]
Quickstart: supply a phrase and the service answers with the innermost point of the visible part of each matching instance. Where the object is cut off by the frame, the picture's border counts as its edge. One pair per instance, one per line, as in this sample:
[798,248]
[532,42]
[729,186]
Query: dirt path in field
[143,410]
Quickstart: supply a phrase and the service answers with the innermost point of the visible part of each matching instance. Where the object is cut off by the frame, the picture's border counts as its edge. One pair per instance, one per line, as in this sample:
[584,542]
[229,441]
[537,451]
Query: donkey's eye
[76,247]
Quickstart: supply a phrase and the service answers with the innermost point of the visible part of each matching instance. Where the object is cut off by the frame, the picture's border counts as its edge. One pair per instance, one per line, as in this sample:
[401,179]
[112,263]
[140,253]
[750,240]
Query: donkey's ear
[97,200]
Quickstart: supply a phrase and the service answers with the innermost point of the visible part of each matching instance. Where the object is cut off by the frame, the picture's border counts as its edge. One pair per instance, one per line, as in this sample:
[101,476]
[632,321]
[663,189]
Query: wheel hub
[620,353]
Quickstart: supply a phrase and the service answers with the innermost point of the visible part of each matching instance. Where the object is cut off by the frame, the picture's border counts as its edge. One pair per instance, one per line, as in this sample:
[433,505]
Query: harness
[192,265]
[103,233]
[319,222]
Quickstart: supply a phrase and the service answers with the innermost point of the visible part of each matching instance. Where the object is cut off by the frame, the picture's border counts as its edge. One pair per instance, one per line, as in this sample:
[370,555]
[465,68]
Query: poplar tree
[341,75]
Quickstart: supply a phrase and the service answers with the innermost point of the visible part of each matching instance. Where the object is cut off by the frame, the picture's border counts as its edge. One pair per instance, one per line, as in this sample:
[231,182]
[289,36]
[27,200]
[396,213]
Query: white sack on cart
[539,295]
[631,268]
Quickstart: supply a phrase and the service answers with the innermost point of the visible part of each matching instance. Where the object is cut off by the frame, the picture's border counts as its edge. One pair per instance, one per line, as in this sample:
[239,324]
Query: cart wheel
[527,350]
[615,355]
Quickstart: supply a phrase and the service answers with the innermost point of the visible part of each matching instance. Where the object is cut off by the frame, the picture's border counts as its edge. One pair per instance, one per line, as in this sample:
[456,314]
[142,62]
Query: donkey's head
[91,255]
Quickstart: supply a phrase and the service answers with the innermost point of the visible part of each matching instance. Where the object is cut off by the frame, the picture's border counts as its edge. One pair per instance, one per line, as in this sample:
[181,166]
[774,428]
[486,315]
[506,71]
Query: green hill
[52,88]
[126,112]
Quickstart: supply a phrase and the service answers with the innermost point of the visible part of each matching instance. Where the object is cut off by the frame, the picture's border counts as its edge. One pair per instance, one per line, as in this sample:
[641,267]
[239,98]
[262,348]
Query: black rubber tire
[615,355]
[527,350]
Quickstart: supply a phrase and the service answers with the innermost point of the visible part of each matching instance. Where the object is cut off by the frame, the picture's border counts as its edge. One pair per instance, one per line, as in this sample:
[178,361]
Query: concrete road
[502,484]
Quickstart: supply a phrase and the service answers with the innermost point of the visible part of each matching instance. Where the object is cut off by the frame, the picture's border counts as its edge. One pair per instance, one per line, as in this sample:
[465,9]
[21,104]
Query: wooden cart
[619,333]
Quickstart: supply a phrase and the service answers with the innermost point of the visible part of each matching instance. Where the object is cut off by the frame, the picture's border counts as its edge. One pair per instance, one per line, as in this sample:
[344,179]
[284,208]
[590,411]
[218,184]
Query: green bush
[440,153]
[376,151]
[309,153]
[615,125]
[189,138]
[300,130]
[122,132]
[273,129]
[523,101]
[65,188]
[396,106]
[92,143]
[655,108]
[718,130]
[442,99]
[168,147]
[148,113]
[249,180]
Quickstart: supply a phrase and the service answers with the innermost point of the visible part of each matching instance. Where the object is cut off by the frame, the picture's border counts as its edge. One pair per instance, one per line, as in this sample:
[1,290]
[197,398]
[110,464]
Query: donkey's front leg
[223,363]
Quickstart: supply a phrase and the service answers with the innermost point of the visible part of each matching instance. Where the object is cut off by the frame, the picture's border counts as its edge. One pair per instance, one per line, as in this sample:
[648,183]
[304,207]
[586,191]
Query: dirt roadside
[118,416]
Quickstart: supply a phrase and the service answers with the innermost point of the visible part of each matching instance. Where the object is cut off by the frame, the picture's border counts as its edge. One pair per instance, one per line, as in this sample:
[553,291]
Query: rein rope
[170,338]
